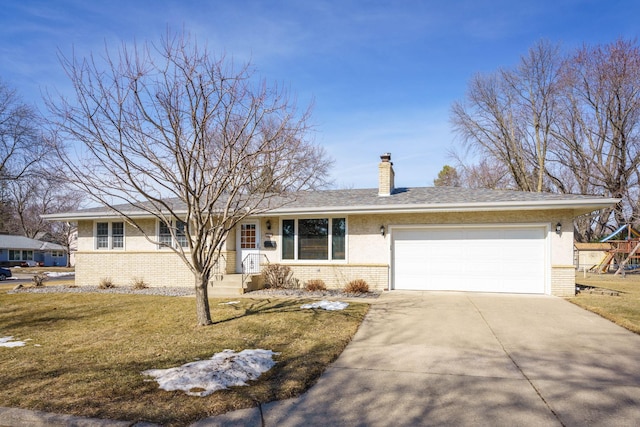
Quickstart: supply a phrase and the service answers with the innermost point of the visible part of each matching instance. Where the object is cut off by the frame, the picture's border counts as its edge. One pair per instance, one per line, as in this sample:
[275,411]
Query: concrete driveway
[429,358]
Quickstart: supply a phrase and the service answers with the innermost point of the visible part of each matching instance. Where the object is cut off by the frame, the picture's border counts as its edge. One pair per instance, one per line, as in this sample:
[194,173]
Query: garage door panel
[473,259]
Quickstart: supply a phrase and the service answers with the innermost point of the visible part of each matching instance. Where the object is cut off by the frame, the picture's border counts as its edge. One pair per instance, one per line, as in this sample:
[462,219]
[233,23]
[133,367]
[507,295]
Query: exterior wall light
[382,231]
[559,228]
[268,224]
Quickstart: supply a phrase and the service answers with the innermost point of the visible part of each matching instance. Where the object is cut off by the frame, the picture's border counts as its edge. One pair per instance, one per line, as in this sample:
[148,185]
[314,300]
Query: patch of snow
[59,273]
[9,342]
[223,370]
[327,305]
[230,302]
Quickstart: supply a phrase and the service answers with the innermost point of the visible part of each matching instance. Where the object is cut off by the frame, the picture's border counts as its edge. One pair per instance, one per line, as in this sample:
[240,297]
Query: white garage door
[470,259]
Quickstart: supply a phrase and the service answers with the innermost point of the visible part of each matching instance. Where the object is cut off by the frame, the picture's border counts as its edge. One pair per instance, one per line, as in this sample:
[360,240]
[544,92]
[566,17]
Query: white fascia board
[586,205]
[582,205]
[76,216]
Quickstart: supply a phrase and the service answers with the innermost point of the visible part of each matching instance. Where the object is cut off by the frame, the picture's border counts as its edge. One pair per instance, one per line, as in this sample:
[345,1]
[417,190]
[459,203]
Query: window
[248,236]
[314,239]
[18,255]
[164,234]
[288,239]
[102,235]
[57,254]
[117,235]
[110,235]
[338,237]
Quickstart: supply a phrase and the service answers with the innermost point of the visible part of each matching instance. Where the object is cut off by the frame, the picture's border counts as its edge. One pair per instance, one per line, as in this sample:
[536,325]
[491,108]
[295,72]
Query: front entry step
[231,285]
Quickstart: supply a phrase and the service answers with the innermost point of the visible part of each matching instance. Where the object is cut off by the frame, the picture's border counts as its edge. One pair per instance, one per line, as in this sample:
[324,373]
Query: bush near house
[357,286]
[106,283]
[315,285]
[139,283]
[39,279]
[279,276]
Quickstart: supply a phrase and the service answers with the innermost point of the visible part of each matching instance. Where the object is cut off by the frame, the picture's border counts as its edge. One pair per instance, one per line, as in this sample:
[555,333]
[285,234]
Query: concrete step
[229,285]
[224,291]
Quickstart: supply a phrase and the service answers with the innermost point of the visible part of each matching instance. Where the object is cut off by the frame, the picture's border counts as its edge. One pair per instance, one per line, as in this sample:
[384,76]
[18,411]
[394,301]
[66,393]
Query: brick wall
[159,268]
[337,276]
[563,280]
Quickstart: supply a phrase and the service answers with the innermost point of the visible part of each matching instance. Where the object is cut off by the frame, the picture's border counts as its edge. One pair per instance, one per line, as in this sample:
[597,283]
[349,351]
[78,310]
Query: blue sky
[382,74]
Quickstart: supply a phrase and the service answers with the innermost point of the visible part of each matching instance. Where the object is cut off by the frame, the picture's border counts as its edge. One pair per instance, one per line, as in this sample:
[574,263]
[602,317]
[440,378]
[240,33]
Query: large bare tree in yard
[507,116]
[598,130]
[563,123]
[26,180]
[21,142]
[34,195]
[186,137]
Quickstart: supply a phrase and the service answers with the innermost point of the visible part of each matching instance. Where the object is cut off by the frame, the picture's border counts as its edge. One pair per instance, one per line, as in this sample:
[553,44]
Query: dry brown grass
[34,270]
[623,309]
[93,348]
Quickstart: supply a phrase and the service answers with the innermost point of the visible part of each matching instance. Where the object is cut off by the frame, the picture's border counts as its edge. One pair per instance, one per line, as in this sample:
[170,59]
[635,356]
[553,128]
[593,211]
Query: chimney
[385,175]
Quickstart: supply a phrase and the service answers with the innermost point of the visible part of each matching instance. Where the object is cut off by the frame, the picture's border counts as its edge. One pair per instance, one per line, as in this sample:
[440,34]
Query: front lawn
[84,353]
[623,309]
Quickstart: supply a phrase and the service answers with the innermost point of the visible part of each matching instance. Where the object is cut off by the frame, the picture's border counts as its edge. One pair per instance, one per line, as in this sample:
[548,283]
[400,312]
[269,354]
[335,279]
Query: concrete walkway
[459,359]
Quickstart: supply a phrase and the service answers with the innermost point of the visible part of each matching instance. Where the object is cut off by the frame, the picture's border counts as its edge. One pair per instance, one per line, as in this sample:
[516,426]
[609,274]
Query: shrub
[315,285]
[38,279]
[106,283]
[279,276]
[139,283]
[357,286]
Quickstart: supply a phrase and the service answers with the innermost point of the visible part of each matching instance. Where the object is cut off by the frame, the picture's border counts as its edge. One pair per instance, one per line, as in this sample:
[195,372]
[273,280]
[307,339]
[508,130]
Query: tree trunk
[203,312]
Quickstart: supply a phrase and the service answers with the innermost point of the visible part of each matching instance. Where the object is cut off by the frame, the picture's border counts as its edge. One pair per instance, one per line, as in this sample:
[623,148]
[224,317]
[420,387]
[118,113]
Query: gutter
[582,205]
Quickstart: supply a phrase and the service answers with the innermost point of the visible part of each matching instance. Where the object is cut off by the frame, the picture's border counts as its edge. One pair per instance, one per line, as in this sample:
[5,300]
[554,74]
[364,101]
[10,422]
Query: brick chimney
[385,175]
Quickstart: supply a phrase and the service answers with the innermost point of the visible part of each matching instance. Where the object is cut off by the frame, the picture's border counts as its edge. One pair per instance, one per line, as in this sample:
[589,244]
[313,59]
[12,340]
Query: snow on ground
[229,303]
[59,273]
[327,305]
[10,342]
[223,370]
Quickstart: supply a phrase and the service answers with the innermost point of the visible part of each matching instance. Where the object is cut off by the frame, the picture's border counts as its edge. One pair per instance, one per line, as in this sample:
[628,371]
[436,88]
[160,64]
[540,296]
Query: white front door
[247,243]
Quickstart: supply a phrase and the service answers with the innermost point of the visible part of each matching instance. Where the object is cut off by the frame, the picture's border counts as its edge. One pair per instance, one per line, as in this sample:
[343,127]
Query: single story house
[428,238]
[21,250]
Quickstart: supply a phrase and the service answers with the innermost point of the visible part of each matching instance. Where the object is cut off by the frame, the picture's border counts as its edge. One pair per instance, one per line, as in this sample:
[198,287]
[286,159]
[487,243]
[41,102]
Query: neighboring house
[20,250]
[590,255]
[428,238]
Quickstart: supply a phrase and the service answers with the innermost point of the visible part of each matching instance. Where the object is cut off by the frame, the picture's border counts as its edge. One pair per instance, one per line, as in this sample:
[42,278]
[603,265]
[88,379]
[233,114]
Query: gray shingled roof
[418,199]
[422,195]
[21,242]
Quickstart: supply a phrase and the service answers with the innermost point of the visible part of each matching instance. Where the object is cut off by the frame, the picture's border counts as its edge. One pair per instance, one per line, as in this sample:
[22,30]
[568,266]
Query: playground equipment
[623,252]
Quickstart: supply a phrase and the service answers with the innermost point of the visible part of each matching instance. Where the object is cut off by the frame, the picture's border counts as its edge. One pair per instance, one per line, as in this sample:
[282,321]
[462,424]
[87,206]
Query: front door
[248,245]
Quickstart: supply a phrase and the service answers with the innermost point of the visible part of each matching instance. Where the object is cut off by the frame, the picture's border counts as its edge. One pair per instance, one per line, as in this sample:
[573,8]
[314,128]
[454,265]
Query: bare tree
[599,128]
[170,130]
[65,234]
[34,195]
[507,116]
[567,124]
[488,127]
[486,173]
[21,143]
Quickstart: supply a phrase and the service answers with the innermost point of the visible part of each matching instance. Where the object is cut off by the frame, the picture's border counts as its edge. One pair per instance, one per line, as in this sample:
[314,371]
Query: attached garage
[498,258]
